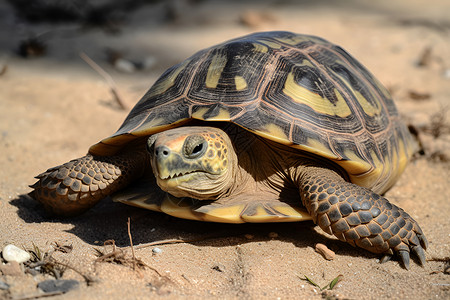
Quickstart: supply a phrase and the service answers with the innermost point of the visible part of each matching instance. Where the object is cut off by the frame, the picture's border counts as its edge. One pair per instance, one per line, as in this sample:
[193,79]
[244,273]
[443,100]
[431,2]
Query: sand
[53,107]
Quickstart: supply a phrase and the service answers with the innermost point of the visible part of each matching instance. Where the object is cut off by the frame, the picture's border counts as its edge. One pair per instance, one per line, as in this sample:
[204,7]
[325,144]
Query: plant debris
[446,269]
[425,57]
[119,256]
[3,69]
[329,286]
[419,96]
[44,262]
[438,123]
[110,81]
[62,248]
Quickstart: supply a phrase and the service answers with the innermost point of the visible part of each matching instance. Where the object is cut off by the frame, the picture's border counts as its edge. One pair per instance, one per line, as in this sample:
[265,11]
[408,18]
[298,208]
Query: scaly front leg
[358,216]
[74,187]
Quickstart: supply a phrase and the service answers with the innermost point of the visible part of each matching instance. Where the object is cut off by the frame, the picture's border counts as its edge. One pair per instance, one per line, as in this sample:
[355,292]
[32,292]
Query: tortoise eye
[197,149]
[195,146]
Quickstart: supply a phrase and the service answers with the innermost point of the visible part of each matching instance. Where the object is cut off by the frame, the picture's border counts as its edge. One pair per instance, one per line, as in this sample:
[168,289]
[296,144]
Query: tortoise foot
[362,218]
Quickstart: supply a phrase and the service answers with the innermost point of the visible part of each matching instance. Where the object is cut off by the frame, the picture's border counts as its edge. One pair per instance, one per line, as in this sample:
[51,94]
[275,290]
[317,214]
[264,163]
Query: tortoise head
[195,162]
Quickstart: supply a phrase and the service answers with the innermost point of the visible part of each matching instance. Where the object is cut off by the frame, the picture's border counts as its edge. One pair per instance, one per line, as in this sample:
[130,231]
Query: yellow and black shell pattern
[298,90]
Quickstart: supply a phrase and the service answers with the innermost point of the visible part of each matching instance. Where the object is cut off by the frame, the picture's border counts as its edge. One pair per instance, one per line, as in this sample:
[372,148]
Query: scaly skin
[74,187]
[360,217]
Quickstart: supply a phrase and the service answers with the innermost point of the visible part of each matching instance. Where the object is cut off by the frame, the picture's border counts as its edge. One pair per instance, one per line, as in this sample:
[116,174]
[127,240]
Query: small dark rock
[58,285]
[219,268]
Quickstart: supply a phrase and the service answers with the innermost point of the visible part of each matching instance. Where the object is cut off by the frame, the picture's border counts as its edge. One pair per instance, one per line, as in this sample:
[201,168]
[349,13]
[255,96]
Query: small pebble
[219,268]
[273,235]
[324,251]
[157,250]
[13,253]
[3,285]
[12,268]
[58,285]
[124,65]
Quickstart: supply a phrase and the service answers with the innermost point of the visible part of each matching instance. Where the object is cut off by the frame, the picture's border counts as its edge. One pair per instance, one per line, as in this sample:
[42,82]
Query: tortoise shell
[298,90]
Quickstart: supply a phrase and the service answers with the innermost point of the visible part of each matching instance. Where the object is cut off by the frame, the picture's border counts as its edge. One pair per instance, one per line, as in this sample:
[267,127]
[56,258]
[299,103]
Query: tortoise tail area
[74,187]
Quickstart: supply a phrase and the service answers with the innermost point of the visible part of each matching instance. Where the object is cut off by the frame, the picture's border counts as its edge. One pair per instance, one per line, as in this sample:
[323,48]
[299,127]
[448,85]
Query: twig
[131,244]
[177,241]
[89,280]
[107,77]
[3,70]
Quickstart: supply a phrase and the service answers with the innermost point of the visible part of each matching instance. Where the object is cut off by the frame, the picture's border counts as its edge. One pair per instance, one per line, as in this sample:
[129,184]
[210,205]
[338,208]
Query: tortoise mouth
[179,175]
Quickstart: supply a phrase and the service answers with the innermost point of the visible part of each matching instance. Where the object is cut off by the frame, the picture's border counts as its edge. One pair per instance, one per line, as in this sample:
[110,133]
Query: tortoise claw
[404,256]
[423,241]
[420,254]
[385,258]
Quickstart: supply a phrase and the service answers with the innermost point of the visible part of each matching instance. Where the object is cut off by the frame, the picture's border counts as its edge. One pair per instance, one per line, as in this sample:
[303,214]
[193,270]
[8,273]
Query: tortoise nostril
[162,152]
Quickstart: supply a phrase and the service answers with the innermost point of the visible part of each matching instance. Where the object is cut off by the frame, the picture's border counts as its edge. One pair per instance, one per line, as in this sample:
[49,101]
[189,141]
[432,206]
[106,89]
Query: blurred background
[147,36]
[79,56]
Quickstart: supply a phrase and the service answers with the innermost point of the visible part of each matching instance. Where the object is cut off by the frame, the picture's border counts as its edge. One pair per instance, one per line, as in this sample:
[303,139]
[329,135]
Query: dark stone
[58,285]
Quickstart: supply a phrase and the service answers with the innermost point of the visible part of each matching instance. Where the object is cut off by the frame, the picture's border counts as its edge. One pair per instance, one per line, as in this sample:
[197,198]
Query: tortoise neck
[271,167]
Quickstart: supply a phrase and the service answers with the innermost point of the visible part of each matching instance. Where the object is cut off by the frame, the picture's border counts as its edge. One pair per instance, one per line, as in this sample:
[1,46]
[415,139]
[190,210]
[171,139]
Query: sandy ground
[53,107]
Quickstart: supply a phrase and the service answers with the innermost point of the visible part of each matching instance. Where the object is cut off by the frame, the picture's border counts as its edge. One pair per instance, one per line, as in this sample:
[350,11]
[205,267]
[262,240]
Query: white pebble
[157,250]
[13,253]
[125,66]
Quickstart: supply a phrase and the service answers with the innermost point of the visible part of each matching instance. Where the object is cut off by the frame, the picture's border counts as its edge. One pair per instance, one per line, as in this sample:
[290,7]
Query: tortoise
[269,127]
